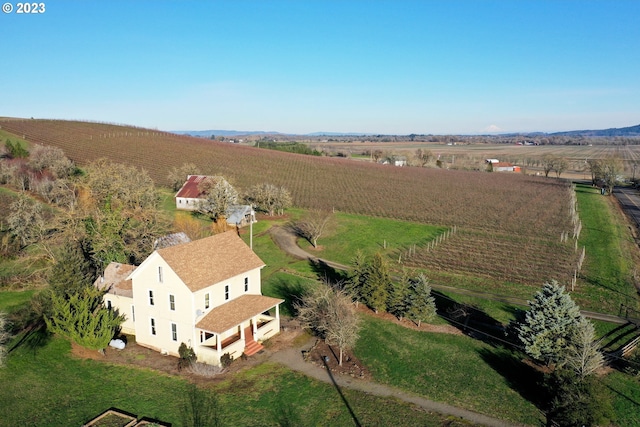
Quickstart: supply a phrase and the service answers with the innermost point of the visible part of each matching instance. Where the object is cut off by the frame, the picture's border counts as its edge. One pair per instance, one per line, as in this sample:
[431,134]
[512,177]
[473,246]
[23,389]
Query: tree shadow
[291,292]
[598,283]
[342,396]
[471,320]
[521,377]
[33,339]
[327,273]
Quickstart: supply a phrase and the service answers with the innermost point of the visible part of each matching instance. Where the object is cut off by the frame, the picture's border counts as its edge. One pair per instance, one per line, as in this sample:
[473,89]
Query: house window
[153,326]
[246,284]
[226,292]
[160,274]
[207,300]
[172,302]
[174,332]
[133,313]
[150,297]
[109,305]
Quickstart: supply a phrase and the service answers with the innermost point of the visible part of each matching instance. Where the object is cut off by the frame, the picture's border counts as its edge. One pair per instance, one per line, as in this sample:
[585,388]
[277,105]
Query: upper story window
[160,273]
[172,302]
[109,306]
[226,292]
[174,332]
[153,326]
[246,284]
[150,297]
[207,300]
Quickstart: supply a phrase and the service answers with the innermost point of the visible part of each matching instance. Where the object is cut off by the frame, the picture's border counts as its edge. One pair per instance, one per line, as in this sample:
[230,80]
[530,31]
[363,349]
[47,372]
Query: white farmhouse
[205,293]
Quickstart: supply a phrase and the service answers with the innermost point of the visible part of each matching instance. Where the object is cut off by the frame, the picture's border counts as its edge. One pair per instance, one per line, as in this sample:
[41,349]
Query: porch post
[278,313]
[241,332]
[254,325]
[218,344]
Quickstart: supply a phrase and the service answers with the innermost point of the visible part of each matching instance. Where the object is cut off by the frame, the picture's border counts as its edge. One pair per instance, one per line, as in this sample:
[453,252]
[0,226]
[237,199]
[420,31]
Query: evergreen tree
[83,318]
[71,273]
[399,297]
[575,401]
[358,277]
[376,289]
[549,324]
[16,151]
[421,305]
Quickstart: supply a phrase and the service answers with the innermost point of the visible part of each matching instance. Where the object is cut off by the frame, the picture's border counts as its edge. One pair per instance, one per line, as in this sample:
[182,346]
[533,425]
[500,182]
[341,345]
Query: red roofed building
[503,167]
[187,197]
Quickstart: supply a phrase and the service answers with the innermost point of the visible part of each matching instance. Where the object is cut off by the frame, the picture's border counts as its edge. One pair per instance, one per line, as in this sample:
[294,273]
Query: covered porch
[237,327]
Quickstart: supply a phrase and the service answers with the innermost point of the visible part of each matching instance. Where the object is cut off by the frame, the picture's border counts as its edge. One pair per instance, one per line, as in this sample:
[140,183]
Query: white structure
[205,293]
[189,195]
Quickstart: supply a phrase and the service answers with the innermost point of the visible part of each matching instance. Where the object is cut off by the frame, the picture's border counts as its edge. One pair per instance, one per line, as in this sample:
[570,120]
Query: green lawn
[12,300]
[348,233]
[449,368]
[48,387]
[606,280]
[625,391]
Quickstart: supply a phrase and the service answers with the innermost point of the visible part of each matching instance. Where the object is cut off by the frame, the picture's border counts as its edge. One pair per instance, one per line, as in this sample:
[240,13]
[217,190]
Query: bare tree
[611,168]
[7,172]
[178,175]
[423,156]
[548,164]
[52,159]
[269,198]
[330,314]
[377,155]
[560,166]
[313,225]
[584,355]
[26,221]
[5,336]
[219,196]
[595,166]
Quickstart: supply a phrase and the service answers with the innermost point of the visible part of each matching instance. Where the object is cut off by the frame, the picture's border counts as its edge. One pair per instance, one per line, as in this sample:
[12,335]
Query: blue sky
[391,67]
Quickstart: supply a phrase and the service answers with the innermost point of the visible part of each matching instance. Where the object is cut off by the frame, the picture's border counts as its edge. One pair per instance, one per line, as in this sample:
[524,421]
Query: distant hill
[631,131]
[220,132]
[227,133]
[628,131]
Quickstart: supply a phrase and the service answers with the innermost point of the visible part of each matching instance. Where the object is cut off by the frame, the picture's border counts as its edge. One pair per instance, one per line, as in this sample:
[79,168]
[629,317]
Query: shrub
[226,360]
[187,356]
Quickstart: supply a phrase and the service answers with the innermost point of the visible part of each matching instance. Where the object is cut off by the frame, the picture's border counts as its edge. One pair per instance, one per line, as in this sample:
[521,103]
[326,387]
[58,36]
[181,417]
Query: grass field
[46,386]
[606,281]
[448,368]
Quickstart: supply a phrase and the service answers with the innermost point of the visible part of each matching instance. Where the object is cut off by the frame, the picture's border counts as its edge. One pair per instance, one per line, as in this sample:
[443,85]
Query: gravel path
[292,358]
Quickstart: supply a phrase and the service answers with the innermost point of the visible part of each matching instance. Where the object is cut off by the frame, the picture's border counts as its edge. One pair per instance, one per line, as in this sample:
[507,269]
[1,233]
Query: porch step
[251,347]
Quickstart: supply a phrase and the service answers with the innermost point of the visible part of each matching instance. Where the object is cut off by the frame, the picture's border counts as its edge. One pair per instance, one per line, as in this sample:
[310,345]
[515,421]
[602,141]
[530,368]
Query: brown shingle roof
[226,316]
[113,279]
[211,260]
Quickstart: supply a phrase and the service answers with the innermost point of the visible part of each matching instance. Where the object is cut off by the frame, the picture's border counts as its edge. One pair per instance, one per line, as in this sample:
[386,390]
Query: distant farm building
[188,197]
[503,167]
[396,161]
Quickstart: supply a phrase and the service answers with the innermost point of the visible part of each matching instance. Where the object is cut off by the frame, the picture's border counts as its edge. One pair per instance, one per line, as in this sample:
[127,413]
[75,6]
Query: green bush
[226,360]
[187,356]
